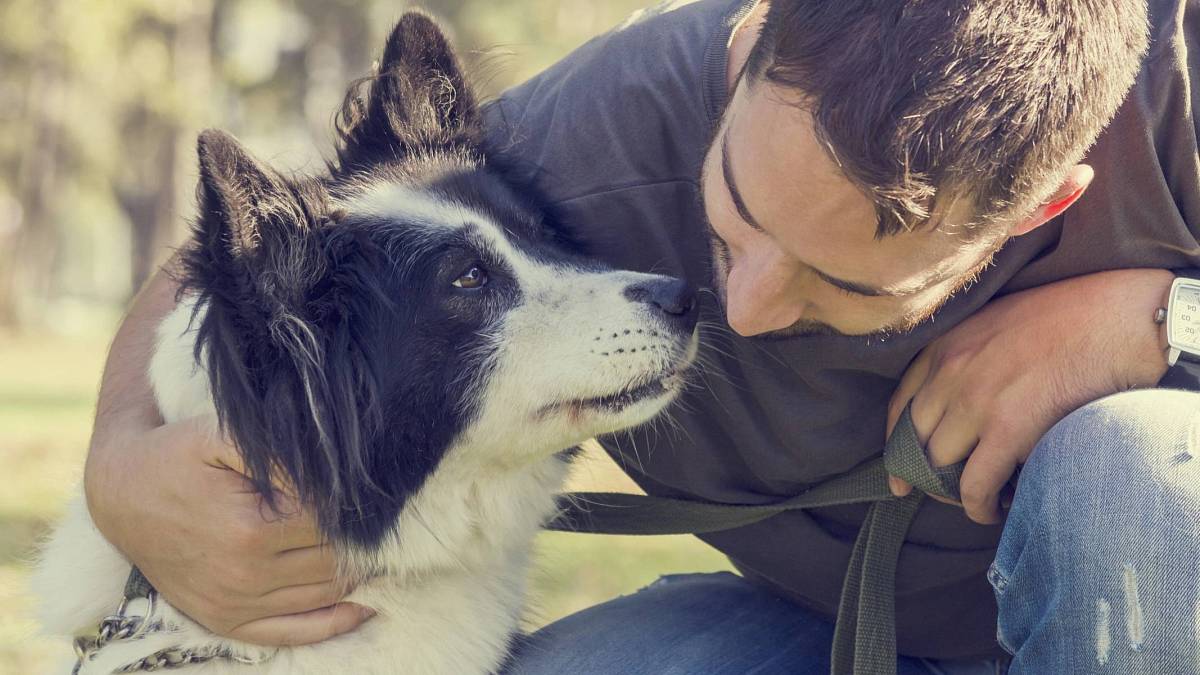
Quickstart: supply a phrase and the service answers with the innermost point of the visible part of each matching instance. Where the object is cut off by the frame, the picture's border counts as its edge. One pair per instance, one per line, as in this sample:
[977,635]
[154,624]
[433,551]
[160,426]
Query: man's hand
[995,384]
[201,535]
[171,498]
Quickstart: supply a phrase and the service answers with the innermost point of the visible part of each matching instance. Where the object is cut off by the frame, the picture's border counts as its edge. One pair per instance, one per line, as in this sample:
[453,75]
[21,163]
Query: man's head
[875,153]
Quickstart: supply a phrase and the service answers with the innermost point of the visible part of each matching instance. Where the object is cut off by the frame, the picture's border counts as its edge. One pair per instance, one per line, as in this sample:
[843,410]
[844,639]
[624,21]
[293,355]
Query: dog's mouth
[618,401]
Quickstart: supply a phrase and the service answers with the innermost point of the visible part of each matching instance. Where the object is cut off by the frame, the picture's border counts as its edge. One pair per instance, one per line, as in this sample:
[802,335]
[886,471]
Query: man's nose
[758,303]
[672,300]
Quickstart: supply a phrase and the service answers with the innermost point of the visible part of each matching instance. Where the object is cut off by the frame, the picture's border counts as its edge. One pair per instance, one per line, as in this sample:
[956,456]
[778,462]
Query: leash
[864,639]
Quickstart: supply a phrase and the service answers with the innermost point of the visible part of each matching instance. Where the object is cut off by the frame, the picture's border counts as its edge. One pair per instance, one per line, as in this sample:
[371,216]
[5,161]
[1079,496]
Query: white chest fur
[448,583]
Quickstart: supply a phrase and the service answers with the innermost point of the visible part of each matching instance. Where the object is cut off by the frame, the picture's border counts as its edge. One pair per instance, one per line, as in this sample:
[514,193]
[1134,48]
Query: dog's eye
[476,277]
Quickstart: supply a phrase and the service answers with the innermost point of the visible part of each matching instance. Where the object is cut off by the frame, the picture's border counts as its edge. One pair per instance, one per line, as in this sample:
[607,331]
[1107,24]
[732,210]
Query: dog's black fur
[319,335]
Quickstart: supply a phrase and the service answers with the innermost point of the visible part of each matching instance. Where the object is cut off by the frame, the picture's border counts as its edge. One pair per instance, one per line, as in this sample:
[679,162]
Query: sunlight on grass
[578,570]
[47,393]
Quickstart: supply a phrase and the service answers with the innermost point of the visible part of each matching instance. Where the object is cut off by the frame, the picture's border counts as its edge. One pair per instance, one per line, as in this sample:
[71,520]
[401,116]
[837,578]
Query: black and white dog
[407,341]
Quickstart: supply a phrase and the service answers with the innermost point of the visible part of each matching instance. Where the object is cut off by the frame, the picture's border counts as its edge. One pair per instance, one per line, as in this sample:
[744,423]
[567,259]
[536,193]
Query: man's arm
[993,385]
[170,497]
[126,401]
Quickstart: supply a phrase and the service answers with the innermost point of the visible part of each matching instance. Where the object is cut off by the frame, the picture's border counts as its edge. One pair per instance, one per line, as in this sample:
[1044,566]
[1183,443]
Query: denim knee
[1099,563]
[1131,460]
[1127,448]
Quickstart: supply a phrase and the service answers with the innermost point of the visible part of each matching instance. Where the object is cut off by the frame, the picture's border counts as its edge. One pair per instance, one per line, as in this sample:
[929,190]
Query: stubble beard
[721,266]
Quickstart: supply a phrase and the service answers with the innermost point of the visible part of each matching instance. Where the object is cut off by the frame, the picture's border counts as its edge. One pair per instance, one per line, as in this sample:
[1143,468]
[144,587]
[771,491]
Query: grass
[47,393]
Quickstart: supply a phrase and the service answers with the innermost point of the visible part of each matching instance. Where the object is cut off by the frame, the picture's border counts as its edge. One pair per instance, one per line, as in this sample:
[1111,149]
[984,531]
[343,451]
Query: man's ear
[1077,180]
[418,99]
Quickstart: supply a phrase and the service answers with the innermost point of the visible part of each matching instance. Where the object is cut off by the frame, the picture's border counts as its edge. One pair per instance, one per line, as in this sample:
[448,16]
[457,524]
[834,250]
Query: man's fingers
[899,486]
[225,613]
[301,599]
[909,384]
[302,629]
[308,565]
[283,526]
[987,472]
[956,435]
[289,529]
[951,436]
[216,450]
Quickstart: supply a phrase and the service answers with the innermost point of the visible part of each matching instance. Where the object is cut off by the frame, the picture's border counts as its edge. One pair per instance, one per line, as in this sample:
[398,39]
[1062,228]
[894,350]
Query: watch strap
[1185,374]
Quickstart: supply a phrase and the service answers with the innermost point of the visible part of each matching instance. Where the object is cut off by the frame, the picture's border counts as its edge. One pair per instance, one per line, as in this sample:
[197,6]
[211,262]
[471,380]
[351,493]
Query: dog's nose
[673,299]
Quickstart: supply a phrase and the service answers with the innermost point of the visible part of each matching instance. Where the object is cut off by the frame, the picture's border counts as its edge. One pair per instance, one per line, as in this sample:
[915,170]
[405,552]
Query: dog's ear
[242,201]
[253,221]
[421,82]
[418,99]
[268,264]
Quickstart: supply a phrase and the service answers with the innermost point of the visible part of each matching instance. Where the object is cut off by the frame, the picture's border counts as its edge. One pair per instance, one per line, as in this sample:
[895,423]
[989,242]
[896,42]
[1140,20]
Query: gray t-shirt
[615,135]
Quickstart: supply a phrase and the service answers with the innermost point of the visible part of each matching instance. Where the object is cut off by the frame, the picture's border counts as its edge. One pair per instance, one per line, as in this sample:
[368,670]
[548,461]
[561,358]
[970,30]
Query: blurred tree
[101,101]
[33,159]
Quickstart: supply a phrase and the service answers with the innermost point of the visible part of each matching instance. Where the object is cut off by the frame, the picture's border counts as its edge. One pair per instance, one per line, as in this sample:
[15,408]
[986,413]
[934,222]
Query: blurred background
[100,105]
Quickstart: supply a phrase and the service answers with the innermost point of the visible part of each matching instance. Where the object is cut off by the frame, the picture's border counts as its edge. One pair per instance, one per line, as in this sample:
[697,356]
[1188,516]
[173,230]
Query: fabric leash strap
[864,641]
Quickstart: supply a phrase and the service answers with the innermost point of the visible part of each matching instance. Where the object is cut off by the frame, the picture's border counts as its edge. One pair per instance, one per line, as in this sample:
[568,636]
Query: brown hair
[989,100]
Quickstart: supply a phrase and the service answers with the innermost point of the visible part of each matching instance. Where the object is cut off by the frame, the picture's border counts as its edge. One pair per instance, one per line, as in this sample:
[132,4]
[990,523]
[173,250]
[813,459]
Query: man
[878,192]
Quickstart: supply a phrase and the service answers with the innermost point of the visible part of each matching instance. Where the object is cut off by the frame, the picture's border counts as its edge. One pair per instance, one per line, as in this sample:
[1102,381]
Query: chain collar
[121,626]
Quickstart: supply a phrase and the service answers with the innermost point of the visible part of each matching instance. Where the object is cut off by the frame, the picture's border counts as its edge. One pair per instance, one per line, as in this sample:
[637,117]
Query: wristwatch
[1182,317]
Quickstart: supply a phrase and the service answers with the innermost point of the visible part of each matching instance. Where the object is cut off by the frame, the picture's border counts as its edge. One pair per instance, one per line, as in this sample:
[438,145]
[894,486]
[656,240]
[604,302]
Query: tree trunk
[27,275]
[147,193]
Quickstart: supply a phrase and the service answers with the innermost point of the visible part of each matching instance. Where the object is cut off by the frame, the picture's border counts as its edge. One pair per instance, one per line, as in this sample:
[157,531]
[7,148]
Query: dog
[412,343]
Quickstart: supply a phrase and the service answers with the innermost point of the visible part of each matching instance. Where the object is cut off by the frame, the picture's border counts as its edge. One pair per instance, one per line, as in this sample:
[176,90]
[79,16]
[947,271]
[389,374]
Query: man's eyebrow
[727,170]
[740,205]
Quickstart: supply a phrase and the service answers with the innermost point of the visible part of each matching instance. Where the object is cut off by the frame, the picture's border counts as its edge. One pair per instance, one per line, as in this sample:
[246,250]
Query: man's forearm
[126,404]
[1145,290]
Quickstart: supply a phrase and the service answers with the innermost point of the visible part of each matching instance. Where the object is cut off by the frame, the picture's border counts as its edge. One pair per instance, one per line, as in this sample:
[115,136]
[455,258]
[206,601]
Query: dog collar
[137,618]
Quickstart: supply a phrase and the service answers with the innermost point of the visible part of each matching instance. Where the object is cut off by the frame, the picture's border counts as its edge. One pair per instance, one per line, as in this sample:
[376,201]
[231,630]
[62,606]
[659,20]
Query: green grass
[47,394]
[579,570]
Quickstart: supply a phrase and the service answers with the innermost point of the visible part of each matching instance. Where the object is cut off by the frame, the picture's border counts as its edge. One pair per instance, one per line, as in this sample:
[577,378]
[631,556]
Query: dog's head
[361,326]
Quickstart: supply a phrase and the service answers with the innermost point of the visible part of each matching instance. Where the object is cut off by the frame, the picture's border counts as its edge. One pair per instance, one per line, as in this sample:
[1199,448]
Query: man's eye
[845,292]
[475,277]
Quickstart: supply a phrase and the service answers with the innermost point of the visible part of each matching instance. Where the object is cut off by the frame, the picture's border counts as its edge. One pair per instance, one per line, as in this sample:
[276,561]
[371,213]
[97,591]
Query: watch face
[1185,318]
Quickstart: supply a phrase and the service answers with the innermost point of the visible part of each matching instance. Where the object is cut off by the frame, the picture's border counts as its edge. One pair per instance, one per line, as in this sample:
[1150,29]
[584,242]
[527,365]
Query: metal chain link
[119,626]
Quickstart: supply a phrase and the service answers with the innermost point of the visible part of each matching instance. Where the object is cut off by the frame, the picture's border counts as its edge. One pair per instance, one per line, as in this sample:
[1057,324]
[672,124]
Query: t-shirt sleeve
[625,109]
[1143,207]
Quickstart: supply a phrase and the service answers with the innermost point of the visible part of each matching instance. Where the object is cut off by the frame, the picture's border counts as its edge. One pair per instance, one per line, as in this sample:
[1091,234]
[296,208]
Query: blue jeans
[1098,571]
